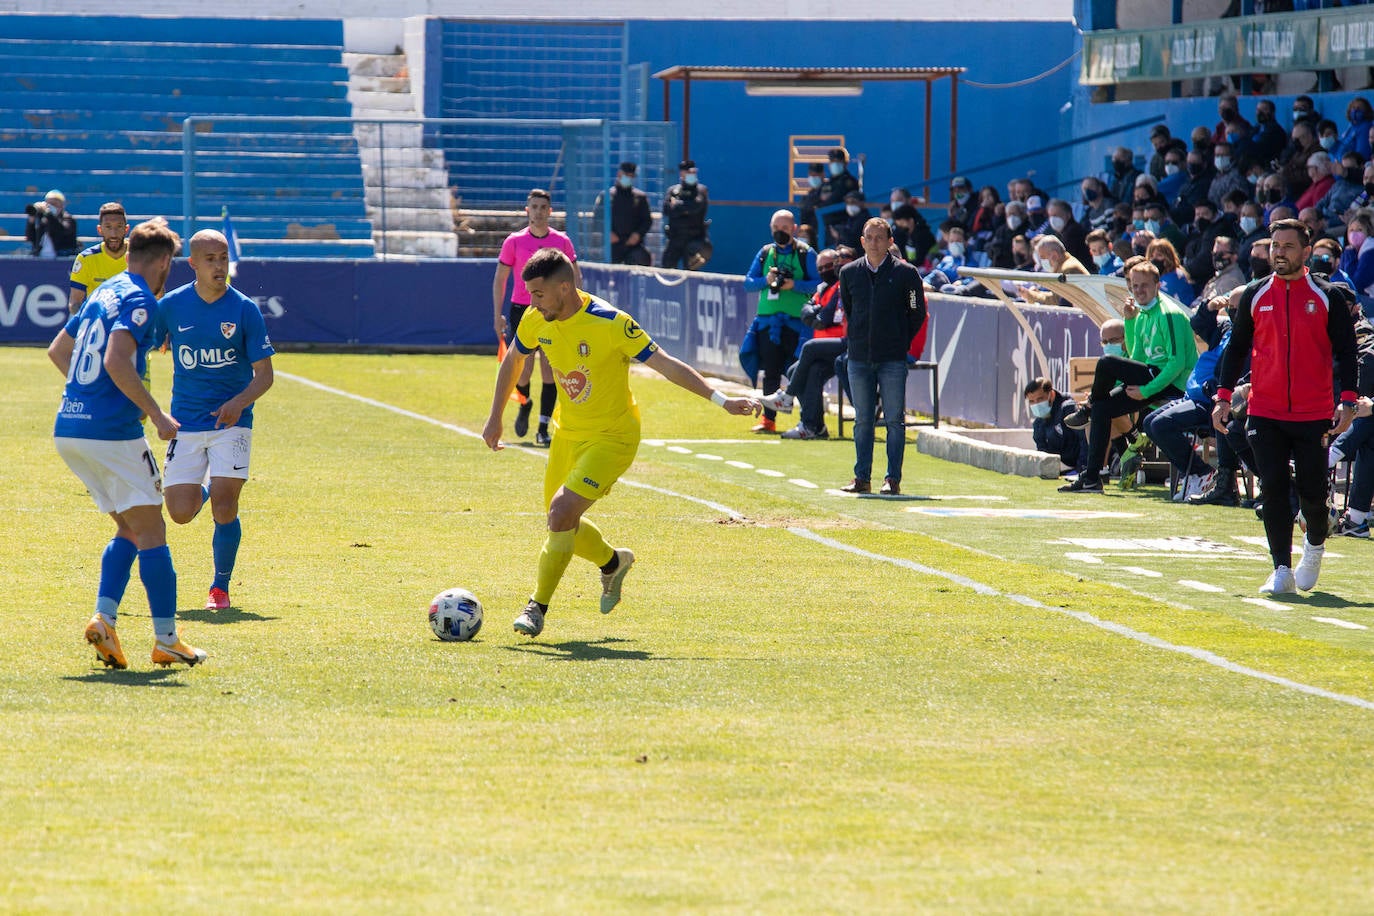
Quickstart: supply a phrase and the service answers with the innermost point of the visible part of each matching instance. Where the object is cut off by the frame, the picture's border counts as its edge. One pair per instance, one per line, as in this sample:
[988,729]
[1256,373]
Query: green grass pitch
[768,723]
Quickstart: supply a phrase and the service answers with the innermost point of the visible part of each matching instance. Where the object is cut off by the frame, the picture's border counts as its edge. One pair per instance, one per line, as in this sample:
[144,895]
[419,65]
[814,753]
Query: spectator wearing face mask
[962,206]
[1175,172]
[1197,253]
[1272,196]
[684,220]
[1348,175]
[1358,258]
[1160,139]
[953,256]
[1319,176]
[1195,188]
[1293,166]
[1326,262]
[1259,258]
[1228,112]
[1251,230]
[1048,408]
[1355,137]
[1022,253]
[1100,248]
[1314,221]
[1365,198]
[816,191]
[841,183]
[849,228]
[1051,258]
[630,219]
[1226,270]
[1173,278]
[999,249]
[1064,227]
[1268,139]
[1122,178]
[785,275]
[1159,224]
[1096,204]
[1228,178]
[911,234]
[984,218]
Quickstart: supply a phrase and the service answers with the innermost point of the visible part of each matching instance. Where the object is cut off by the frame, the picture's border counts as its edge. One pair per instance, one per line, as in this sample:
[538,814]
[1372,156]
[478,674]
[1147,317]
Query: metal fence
[420,187]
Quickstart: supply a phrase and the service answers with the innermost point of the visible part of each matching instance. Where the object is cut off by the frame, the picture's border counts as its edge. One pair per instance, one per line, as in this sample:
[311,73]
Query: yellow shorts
[586,467]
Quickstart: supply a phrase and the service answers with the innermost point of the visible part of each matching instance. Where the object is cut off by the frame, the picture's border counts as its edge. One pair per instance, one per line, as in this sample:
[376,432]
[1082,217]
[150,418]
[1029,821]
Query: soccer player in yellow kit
[101,261]
[589,343]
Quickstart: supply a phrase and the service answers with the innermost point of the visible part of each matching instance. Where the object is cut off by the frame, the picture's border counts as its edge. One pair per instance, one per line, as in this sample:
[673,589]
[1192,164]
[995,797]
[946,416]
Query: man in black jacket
[630,219]
[684,220]
[50,229]
[885,301]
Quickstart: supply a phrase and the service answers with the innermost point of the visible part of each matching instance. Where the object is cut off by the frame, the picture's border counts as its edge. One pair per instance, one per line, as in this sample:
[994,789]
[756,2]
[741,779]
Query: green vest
[787,301]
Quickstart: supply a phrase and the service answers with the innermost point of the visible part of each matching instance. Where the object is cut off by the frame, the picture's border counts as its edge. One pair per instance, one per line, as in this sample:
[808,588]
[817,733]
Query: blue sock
[204,494]
[160,581]
[116,564]
[226,549]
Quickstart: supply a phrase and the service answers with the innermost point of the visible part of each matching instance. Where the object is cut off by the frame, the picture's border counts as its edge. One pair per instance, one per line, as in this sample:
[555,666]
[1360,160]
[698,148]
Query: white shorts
[119,475]
[196,457]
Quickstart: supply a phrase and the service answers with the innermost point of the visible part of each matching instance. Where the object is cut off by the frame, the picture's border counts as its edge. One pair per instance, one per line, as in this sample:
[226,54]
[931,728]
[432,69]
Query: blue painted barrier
[984,355]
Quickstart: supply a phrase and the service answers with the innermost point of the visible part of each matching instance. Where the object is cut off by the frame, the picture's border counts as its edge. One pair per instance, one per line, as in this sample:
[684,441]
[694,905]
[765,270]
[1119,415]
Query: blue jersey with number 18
[214,346]
[93,407]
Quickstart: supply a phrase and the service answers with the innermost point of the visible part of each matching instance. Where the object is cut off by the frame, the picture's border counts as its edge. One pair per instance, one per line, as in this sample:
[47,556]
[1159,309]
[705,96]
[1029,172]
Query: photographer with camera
[785,272]
[50,230]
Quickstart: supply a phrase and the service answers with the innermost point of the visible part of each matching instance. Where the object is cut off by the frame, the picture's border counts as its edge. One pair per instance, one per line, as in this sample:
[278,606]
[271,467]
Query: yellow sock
[590,545]
[553,559]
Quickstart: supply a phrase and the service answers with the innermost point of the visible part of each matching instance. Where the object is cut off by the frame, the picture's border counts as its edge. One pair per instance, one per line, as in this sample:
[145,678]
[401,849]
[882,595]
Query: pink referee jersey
[517,249]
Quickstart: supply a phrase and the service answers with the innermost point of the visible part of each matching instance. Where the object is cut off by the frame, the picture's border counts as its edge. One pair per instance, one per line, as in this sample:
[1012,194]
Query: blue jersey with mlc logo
[214,346]
[93,407]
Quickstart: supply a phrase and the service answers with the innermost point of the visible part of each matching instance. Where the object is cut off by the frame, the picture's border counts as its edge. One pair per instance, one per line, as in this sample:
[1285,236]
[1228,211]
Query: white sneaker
[1188,486]
[1280,582]
[531,620]
[611,582]
[1309,567]
[779,401]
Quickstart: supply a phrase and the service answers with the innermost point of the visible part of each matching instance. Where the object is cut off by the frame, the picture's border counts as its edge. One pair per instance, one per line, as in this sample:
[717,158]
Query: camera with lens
[36,209]
[780,274]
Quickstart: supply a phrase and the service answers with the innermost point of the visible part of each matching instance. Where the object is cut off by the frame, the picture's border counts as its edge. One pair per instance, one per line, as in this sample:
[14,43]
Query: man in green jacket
[1160,352]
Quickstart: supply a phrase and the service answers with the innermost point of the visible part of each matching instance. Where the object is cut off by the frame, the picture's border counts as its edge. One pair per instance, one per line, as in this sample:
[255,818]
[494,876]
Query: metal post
[926,174]
[381,178]
[953,122]
[605,159]
[687,115]
[188,177]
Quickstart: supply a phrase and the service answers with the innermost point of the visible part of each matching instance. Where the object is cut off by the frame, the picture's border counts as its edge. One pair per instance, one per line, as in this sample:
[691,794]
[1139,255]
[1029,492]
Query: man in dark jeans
[886,304]
[1160,355]
[1293,326]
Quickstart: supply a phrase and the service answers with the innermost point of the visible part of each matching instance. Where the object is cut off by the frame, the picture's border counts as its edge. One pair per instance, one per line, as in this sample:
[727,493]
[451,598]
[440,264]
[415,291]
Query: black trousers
[1274,443]
[1104,406]
[774,358]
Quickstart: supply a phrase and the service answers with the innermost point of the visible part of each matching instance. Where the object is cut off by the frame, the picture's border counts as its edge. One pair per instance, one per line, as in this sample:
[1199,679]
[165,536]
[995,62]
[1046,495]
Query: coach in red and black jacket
[1294,327]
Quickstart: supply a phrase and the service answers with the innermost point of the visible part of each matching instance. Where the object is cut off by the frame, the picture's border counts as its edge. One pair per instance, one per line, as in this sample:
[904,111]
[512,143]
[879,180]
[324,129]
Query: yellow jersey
[94,266]
[590,355]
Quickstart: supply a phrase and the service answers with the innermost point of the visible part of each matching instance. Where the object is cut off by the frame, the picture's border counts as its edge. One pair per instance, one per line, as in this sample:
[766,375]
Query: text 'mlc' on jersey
[590,355]
[213,346]
[93,407]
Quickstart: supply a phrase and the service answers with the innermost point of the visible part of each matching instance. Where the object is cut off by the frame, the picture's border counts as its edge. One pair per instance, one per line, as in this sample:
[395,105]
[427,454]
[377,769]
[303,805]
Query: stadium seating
[94,106]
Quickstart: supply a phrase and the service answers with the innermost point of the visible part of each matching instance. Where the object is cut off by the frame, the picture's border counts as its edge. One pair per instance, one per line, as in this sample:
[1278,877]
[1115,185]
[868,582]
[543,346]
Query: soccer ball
[455,615]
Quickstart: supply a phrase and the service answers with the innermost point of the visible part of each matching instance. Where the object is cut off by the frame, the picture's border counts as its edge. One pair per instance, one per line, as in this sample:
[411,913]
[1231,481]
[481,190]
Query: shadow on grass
[162,677]
[583,651]
[1328,600]
[228,615]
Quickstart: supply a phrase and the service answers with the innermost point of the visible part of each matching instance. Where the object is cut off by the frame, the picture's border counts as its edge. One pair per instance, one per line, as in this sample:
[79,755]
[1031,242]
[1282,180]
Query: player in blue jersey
[103,351]
[221,364]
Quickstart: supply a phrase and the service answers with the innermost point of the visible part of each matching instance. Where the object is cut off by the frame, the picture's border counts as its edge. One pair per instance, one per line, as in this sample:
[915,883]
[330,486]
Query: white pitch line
[705,457]
[1142,571]
[1089,558]
[1200,586]
[804,484]
[742,465]
[1202,655]
[679,449]
[1267,604]
[1337,622]
[769,472]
